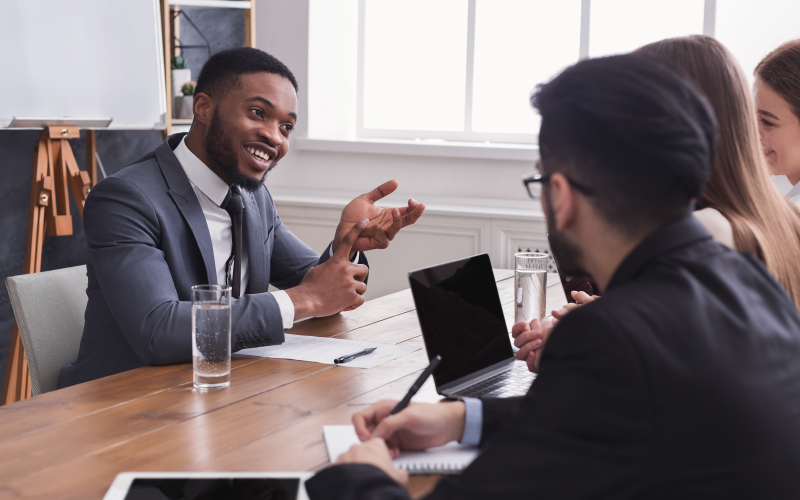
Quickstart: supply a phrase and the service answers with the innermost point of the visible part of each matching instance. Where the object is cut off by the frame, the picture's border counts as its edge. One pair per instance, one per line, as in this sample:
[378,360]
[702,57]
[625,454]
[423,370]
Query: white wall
[476,204]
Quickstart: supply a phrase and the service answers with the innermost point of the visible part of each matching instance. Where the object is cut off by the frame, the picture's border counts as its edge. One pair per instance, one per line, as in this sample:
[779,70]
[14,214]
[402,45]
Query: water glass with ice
[530,286]
[211,336]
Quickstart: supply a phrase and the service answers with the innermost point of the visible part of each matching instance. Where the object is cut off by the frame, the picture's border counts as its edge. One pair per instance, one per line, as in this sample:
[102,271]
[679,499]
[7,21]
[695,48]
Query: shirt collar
[202,177]
[795,191]
[676,234]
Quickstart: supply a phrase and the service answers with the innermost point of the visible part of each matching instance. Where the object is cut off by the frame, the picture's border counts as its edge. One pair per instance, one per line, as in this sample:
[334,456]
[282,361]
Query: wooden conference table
[71,443]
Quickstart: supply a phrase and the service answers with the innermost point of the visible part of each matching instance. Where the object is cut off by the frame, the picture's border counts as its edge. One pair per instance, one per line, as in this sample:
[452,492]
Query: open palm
[384,223]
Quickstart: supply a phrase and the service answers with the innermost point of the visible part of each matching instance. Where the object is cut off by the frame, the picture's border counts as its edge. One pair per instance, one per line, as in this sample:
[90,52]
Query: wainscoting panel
[433,239]
[512,236]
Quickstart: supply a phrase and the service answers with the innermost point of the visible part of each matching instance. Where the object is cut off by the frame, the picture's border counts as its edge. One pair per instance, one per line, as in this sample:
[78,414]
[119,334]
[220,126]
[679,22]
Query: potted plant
[180,74]
[183,103]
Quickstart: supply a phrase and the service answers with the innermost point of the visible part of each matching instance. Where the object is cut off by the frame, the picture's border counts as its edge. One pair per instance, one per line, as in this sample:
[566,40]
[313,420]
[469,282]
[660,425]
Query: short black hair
[221,72]
[634,131]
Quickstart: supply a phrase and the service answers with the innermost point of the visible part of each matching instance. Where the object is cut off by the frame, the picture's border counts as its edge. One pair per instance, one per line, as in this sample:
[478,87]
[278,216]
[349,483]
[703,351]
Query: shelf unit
[168,10]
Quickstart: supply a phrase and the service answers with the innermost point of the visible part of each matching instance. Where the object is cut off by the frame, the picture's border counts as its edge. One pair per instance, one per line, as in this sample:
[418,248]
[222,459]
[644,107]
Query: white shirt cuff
[473,423]
[356,257]
[286,306]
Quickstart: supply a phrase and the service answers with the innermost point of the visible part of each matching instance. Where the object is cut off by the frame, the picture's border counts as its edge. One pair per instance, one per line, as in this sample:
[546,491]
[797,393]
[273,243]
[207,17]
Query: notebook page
[339,439]
[451,458]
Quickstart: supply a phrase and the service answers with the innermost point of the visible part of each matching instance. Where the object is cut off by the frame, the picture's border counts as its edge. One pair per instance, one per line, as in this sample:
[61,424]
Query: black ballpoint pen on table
[351,357]
[415,387]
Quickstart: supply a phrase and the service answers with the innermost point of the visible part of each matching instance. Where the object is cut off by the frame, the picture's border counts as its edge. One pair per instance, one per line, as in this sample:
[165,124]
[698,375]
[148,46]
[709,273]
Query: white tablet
[207,485]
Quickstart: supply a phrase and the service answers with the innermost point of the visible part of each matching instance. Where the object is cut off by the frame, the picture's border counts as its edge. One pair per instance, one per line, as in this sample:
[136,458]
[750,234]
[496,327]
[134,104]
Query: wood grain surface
[71,443]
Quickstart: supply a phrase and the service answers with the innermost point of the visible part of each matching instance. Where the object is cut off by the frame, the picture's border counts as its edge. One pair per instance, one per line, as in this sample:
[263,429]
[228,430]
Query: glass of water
[211,336]
[530,286]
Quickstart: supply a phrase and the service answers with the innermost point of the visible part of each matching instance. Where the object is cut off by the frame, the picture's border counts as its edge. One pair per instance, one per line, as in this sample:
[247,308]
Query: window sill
[449,149]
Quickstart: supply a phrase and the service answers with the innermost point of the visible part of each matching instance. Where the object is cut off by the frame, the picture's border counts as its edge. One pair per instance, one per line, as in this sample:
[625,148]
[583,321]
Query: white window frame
[468,135]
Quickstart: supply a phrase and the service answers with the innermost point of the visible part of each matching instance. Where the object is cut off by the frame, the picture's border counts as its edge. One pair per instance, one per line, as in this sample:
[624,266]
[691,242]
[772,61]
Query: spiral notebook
[451,458]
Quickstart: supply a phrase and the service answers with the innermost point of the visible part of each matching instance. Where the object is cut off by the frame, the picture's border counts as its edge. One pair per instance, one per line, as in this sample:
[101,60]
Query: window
[619,26]
[464,70]
[460,69]
[517,44]
[751,29]
[418,83]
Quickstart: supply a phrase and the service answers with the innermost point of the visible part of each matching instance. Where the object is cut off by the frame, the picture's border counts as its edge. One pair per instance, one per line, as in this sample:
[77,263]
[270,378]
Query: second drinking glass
[530,286]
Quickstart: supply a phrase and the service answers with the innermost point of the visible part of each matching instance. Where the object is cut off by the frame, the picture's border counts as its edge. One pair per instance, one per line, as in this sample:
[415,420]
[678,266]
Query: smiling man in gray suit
[196,211]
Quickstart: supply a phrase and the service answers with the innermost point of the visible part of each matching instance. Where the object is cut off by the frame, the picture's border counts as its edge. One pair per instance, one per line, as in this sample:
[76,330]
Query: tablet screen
[242,488]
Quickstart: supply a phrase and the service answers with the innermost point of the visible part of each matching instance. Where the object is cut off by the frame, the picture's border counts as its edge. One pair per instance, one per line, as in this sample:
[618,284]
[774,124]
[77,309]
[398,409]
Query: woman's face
[780,132]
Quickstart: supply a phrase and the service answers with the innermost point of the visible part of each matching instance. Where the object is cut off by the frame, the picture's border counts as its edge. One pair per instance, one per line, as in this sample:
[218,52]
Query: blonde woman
[740,206]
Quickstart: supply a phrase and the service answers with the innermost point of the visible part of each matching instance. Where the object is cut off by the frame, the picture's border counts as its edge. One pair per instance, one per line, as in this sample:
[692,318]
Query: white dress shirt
[794,193]
[211,192]
[716,224]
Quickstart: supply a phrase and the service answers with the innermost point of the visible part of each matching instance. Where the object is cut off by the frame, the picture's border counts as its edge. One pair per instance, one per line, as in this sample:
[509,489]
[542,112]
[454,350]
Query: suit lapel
[181,192]
[253,230]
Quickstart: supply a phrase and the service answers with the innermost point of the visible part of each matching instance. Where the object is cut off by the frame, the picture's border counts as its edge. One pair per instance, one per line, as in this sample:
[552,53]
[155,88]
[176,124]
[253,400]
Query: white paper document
[325,350]
[451,458]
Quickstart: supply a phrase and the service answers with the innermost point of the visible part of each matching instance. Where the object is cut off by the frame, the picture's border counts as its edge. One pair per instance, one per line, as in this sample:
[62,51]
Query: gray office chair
[49,308]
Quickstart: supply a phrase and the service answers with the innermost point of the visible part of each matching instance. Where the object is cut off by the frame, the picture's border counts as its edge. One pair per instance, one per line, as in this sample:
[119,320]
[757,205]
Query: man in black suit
[682,381]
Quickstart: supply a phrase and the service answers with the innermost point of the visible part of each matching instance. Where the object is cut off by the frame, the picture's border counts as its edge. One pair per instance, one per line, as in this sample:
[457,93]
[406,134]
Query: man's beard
[566,253]
[219,150]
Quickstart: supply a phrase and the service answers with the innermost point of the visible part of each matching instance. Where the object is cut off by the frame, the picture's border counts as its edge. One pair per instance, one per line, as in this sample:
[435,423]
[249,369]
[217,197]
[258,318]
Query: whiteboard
[83,59]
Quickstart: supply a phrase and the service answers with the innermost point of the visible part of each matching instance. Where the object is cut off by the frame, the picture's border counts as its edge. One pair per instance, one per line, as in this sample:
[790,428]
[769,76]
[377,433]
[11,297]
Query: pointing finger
[343,252]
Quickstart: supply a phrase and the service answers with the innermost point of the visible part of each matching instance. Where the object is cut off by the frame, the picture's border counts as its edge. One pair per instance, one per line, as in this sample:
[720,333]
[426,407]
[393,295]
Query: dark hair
[780,69]
[221,72]
[634,131]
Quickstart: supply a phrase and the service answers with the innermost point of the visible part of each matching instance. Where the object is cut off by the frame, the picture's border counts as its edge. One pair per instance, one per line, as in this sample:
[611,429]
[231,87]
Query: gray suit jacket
[148,244]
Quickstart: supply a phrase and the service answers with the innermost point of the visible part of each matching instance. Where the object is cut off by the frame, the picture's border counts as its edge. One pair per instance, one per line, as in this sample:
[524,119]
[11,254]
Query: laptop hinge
[474,378]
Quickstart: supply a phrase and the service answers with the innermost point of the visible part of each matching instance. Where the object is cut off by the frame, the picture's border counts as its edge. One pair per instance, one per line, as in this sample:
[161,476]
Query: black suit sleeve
[497,414]
[353,481]
[582,430]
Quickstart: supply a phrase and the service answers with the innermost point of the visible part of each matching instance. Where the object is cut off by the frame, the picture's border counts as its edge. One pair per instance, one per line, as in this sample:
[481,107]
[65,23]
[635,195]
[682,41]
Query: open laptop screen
[461,317]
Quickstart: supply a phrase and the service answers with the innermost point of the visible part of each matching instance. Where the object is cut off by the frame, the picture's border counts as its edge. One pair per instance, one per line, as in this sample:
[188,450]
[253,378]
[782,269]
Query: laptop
[462,321]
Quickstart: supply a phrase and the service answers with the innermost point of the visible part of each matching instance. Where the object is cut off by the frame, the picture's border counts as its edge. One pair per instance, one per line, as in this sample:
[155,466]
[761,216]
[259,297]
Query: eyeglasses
[533,183]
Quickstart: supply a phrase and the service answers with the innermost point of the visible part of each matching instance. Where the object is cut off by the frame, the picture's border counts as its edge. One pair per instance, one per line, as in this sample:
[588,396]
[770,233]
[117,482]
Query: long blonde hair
[764,223]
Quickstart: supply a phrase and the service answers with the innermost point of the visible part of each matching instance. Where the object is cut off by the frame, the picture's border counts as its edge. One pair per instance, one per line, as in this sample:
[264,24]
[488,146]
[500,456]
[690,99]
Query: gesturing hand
[384,223]
[333,286]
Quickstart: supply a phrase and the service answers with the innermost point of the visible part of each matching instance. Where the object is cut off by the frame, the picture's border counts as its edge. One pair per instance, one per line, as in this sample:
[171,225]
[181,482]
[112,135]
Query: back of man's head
[634,132]
[222,71]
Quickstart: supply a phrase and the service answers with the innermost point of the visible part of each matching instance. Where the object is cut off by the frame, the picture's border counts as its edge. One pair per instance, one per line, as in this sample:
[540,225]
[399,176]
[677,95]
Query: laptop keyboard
[510,383]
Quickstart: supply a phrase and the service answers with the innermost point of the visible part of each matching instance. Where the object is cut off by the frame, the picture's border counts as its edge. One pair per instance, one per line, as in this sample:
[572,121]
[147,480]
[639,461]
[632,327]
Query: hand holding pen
[418,427]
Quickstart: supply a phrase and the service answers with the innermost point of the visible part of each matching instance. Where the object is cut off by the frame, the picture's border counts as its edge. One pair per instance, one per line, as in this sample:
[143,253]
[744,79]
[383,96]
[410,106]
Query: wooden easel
[54,169]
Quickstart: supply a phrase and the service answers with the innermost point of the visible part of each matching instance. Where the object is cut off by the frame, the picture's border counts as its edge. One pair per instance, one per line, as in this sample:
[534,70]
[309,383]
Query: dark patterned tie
[234,205]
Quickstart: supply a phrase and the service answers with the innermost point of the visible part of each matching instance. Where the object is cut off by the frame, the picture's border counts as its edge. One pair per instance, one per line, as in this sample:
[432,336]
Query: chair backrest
[49,308]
